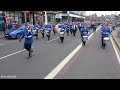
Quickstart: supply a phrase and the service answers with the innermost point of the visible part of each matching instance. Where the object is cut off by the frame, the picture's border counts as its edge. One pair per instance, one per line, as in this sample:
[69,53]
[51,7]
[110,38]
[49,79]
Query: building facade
[72,16]
[52,16]
[22,16]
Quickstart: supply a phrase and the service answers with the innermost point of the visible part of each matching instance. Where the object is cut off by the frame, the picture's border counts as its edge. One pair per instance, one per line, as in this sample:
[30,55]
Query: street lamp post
[33,18]
[46,17]
[115,12]
[25,16]
[54,18]
[68,16]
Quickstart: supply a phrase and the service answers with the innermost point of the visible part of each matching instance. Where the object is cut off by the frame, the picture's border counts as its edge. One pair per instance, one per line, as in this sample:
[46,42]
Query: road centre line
[1,44]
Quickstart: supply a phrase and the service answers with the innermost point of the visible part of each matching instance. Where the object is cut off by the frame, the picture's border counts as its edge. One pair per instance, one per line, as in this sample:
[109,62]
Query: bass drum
[61,34]
[85,38]
[106,38]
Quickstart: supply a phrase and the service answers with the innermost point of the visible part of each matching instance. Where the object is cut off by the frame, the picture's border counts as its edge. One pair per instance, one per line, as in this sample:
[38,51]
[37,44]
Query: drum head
[85,36]
[106,38]
[61,32]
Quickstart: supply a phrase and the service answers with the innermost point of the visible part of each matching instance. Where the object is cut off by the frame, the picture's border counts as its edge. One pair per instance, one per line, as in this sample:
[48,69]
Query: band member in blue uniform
[28,35]
[74,29]
[48,30]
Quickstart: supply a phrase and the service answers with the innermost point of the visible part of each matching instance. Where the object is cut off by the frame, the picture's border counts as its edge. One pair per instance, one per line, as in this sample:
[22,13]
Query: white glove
[26,36]
[30,36]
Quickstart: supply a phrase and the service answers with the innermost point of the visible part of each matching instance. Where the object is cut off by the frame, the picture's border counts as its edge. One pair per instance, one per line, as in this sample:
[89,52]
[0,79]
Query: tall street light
[46,17]
[115,12]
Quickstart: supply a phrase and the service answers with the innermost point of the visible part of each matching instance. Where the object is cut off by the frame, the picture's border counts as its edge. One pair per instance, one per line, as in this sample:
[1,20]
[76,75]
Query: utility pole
[68,16]
[25,16]
[33,18]
[46,17]
[115,13]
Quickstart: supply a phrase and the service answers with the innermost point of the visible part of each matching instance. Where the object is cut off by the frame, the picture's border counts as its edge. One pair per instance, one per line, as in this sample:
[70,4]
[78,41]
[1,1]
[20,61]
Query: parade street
[55,60]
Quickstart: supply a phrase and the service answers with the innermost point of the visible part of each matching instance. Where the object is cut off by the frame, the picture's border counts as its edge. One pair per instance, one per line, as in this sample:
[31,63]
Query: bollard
[118,34]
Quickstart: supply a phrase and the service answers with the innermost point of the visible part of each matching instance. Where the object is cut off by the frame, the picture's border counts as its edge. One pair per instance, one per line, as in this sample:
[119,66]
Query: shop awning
[73,15]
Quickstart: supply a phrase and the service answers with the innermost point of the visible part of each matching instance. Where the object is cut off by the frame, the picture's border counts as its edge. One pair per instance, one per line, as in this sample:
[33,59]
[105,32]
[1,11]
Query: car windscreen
[22,27]
[13,28]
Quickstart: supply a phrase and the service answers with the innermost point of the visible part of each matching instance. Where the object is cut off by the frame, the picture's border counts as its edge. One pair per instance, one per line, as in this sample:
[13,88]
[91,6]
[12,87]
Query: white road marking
[54,39]
[1,44]
[94,33]
[12,54]
[118,56]
[57,69]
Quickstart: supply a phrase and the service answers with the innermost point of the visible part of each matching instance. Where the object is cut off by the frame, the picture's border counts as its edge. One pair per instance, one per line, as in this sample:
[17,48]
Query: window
[64,17]
[22,27]
[16,14]
[48,18]
[16,19]
[64,11]
[20,14]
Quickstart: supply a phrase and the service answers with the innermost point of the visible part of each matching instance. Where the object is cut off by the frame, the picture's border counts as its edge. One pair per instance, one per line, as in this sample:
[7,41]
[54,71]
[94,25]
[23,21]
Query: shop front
[25,16]
[35,16]
[12,16]
[1,20]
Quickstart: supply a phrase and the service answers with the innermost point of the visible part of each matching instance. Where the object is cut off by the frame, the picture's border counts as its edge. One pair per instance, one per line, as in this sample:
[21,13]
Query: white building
[70,15]
[52,15]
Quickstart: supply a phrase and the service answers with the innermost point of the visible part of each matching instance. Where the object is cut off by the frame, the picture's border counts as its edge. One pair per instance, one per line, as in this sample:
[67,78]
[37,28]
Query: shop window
[20,20]
[49,19]
[27,18]
[64,17]
[20,14]
[23,19]
[64,11]
[16,19]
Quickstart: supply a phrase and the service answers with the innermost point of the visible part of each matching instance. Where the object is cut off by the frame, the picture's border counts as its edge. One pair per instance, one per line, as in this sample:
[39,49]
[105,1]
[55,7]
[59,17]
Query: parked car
[118,24]
[16,33]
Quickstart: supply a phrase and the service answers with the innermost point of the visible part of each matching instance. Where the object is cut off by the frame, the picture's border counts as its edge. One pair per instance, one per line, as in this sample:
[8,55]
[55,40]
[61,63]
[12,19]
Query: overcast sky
[99,13]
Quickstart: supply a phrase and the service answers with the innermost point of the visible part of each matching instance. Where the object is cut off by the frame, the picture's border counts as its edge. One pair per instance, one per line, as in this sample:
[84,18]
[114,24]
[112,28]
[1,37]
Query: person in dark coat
[9,25]
[3,26]
[16,25]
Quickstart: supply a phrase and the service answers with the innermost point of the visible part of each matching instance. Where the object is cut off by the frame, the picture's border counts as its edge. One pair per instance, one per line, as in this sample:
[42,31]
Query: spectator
[3,26]
[16,25]
[9,25]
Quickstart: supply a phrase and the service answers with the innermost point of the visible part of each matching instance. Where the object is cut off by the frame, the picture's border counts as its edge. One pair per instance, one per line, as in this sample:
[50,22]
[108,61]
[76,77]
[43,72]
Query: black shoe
[31,50]
[83,44]
[102,47]
[28,57]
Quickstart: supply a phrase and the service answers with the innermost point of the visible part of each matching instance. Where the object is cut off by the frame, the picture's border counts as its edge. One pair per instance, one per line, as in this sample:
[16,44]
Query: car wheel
[18,36]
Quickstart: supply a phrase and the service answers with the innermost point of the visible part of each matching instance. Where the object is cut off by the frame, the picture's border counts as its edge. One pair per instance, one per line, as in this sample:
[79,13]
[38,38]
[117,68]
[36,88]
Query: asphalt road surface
[89,62]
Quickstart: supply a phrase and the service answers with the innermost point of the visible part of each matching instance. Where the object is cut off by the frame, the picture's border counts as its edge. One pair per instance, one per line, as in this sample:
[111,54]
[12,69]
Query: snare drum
[106,38]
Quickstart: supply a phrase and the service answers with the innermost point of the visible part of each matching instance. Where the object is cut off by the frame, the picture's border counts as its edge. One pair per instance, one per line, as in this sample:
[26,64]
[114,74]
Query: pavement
[1,34]
[116,39]
[91,61]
